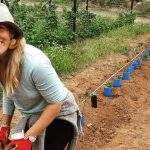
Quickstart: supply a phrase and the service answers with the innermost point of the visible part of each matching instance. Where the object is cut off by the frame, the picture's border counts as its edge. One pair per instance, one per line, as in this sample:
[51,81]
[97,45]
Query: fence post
[49,2]
[87,5]
[74,15]
[132,1]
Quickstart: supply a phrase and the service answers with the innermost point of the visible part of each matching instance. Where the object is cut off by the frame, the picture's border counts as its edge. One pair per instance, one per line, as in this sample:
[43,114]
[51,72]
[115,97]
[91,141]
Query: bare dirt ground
[121,122]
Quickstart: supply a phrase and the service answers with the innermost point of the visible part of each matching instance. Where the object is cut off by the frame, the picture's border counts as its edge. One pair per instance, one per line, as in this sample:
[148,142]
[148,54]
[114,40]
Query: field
[85,59]
[120,122]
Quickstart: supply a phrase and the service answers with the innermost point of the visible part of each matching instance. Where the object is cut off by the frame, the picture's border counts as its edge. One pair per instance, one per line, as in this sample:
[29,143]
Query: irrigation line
[118,71]
[82,102]
[114,75]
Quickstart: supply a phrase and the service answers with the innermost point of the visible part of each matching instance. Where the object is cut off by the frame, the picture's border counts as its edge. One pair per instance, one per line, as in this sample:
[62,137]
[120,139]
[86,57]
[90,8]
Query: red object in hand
[20,144]
[4,131]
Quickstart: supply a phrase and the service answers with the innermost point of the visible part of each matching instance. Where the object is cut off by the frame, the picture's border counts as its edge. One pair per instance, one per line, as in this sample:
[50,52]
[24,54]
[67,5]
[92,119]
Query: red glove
[20,144]
[4,132]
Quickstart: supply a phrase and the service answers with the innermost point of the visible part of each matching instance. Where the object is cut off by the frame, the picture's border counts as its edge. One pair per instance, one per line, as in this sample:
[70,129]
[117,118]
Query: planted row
[117,81]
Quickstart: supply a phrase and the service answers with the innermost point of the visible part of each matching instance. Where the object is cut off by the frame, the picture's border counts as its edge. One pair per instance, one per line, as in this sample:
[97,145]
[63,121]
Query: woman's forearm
[6,119]
[48,115]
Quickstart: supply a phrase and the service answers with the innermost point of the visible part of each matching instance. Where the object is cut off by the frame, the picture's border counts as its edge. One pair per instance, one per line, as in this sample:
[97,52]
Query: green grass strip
[82,54]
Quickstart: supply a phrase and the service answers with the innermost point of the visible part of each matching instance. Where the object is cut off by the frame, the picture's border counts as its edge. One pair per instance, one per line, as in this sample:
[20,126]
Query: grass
[82,54]
[130,31]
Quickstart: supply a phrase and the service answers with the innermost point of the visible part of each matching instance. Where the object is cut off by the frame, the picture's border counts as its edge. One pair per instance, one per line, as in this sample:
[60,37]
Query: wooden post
[87,5]
[49,2]
[132,1]
[74,16]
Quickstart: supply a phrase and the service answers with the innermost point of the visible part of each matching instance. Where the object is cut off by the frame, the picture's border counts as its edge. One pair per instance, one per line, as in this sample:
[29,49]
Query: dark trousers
[58,134]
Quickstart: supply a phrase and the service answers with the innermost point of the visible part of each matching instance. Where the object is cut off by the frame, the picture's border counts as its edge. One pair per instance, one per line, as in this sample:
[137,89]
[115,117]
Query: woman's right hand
[22,144]
[4,133]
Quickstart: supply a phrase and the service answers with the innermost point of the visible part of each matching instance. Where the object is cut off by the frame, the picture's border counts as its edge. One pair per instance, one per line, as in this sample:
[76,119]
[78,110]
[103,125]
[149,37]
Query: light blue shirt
[39,86]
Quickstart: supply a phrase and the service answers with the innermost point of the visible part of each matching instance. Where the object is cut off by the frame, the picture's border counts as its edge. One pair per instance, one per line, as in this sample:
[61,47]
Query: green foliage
[113,42]
[1,91]
[51,17]
[6,2]
[144,57]
[139,30]
[84,20]
[38,23]
[62,1]
[119,76]
[124,50]
[94,94]
[109,84]
[129,31]
[95,26]
[63,35]
[68,17]
[64,59]
[89,25]
[43,27]
[125,19]
[86,94]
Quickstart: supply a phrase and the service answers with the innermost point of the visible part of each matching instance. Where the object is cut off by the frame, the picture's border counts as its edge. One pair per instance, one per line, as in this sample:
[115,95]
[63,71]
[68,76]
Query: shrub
[124,19]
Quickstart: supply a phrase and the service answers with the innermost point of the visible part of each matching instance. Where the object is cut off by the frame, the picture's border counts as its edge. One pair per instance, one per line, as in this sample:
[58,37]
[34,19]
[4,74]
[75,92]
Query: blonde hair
[14,67]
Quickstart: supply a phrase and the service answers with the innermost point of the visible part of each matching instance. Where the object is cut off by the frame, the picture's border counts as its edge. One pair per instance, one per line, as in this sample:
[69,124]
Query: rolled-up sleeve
[47,82]
[8,105]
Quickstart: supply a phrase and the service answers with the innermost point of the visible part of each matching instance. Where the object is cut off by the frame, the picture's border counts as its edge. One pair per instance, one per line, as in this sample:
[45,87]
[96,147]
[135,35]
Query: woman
[51,118]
